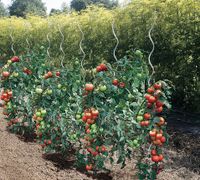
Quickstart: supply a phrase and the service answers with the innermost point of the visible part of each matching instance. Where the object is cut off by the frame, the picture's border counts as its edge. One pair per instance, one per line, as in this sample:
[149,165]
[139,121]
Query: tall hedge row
[176,35]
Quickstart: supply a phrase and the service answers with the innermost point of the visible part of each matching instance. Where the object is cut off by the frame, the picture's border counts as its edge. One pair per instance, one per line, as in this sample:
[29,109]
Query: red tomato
[103,148]
[89,87]
[155,158]
[50,74]
[5,74]
[146,123]
[95,113]
[115,82]
[15,59]
[121,84]
[88,115]
[158,136]
[98,69]
[49,142]
[149,105]
[162,121]
[90,121]
[84,118]
[142,123]
[152,133]
[147,116]
[160,157]
[152,99]
[97,148]
[150,90]
[153,152]
[159,104]
[103,67]
[95,153]
[147,96]
[57,73]
[88,131]
[88,167]
[157,86]
[159,110]
[163,139]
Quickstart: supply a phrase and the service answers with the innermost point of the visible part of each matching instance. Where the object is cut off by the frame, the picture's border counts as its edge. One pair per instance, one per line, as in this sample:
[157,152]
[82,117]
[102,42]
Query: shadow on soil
[68,163]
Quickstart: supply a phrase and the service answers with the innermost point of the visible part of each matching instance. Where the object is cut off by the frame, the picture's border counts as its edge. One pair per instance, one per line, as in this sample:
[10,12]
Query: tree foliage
[23,7]
[3,10]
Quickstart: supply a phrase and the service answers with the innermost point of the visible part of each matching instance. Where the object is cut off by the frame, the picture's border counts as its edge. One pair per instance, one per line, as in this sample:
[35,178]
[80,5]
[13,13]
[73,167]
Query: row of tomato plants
[100,113]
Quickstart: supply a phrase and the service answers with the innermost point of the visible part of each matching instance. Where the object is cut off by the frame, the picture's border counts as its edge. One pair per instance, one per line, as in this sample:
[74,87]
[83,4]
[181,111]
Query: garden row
[176,37]
[96,112]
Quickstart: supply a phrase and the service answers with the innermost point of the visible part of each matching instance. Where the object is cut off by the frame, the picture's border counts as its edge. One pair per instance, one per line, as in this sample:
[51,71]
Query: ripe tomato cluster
[6,95]
[27,71]
[116,82]
[101,67]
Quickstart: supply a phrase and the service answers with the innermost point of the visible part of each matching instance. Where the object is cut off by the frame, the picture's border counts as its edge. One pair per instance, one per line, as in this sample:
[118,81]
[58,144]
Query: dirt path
[21,160]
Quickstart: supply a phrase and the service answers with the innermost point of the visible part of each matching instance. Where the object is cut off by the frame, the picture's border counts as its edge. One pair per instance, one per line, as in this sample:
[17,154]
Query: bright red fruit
[115,82]
[89,87]
[5,74]
[147,116]
[121,84]
[157,86]
[15,59]
[88,167]
[57,73]
[155,158]
[159,110]
[98,69]
[163,139]
[103,67]
[152,99]
[153,152]
[150,90]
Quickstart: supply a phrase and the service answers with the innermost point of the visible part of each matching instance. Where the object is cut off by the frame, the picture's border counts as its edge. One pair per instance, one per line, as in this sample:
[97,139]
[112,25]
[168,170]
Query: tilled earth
[20,160]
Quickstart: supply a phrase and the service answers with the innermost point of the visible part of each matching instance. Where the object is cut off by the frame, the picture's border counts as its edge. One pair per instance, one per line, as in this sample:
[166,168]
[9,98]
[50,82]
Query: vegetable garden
[100,109]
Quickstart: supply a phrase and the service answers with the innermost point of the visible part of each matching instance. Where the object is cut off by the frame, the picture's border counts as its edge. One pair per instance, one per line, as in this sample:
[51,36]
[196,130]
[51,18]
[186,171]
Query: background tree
[3,10]
[78,5]
[65,8]
[24,7]
[55,11]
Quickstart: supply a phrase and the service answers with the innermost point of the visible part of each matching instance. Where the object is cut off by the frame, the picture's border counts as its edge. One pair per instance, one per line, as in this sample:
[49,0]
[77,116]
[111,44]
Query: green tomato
[139,118]
[43,112]
[76,62]
[138,53]
[135,142]
[15,74]
[64,89]
[139,75]
[42,123]
[9,62]
[38,114]
[59,86]
[49,92]
[78,116]
[101,130]
[103,88]
[48,126]
[38,90]
[43,65]
[78,81]
[93,126]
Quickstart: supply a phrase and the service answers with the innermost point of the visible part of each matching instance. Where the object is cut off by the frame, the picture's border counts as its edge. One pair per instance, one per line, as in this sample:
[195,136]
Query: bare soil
[20,160]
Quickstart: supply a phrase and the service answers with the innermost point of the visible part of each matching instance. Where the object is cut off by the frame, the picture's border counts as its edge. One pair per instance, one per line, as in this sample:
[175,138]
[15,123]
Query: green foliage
[23,7]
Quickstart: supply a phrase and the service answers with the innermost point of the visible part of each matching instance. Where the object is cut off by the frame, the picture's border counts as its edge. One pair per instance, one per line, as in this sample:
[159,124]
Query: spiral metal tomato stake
[61,46]
[12,39]
[153,48]
[116,46]
[49,42]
